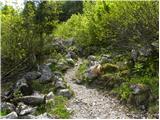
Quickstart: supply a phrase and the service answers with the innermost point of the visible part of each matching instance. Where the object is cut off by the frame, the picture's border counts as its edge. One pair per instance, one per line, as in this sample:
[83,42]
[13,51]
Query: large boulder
[140,95]
[32,100]
[23,109]
[65,92]
[12,115]
[6,106]
[21,87]
[46,74]
[24,87]
[32,75]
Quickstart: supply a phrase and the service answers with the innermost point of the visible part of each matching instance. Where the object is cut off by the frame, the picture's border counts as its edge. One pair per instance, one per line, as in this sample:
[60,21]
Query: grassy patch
[3,113]
[123,91]
[111,68]
[60,110]
[48,107]
[56,107]
[42,88]
[82,68]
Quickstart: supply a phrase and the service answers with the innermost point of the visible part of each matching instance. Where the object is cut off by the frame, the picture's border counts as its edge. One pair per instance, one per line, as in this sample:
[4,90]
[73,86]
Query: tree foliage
[24,33]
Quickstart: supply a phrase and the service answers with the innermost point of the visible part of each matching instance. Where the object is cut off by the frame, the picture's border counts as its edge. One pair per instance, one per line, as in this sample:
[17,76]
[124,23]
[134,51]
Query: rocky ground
[90,103]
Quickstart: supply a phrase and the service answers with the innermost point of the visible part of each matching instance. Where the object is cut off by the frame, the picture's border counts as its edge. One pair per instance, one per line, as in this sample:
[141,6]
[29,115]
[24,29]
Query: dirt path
[89,103]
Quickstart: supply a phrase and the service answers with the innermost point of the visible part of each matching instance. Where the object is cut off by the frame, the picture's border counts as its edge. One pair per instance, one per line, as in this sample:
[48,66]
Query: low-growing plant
[124,90]
[43,88]
[60,108]
[3,113]
[81,70]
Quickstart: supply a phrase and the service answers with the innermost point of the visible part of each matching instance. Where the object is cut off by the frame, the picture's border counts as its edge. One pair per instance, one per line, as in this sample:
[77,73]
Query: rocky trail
[91,103]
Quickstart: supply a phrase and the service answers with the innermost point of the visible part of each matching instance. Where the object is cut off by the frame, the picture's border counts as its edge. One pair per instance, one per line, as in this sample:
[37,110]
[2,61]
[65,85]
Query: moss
[110,68]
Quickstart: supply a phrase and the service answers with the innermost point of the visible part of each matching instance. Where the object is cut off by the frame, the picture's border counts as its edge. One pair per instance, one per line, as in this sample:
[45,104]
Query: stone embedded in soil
[23,109]
[49,96]
[32,75]
[32,100]
[65,92]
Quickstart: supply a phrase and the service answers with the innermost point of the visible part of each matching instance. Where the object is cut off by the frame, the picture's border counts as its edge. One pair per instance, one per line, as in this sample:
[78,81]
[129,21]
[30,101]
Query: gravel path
[90,103]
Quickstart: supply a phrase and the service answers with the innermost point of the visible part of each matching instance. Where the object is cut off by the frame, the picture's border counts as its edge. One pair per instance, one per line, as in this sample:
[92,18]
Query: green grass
[82,68]
[123,90]
[60,110]
[3,113]
[42,88]
[56,107]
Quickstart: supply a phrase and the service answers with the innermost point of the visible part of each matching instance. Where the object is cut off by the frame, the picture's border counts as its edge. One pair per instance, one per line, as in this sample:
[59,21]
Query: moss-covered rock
[112,80]
[124,73]
[140,96]
[110,68]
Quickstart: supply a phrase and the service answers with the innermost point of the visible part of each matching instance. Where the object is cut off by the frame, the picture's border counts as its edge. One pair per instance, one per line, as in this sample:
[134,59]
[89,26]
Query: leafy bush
[104,23]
